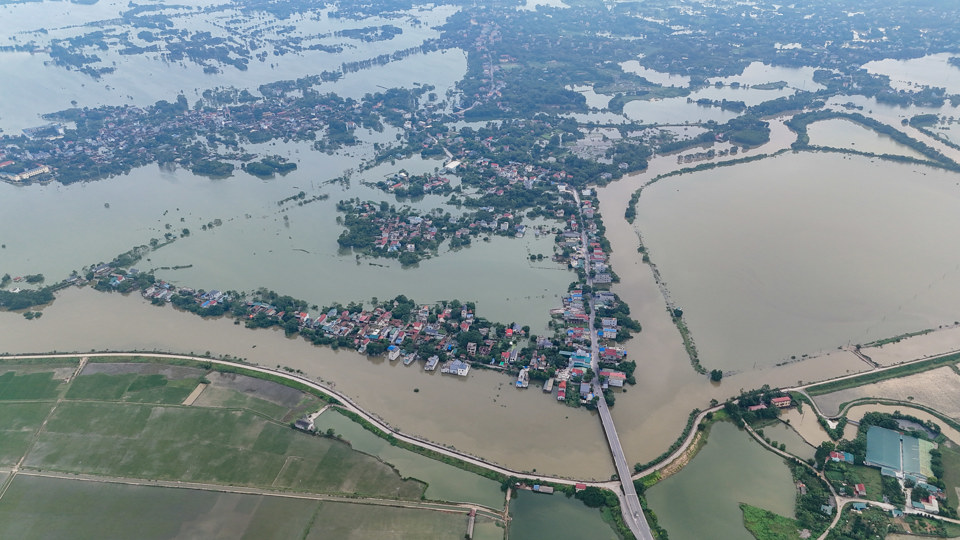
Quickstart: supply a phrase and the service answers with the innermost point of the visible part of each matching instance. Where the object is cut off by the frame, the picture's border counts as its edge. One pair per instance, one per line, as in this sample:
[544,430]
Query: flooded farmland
[538,516]
[792,255]
[731,469]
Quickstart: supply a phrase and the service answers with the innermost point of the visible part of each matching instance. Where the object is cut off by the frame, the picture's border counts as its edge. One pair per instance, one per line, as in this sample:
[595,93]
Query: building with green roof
[897,454]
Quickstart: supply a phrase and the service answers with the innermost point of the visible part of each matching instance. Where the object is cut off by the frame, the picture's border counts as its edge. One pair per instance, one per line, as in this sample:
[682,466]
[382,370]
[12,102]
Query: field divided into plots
[121,427]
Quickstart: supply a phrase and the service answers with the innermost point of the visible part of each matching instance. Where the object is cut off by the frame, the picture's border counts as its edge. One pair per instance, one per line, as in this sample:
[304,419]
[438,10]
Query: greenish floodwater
[537,516]
[783,433]
[702,500]
[487,529]
[445,482]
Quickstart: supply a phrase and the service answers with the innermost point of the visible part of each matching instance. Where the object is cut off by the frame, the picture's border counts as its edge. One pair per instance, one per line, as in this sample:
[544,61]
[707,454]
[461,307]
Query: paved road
[629,501]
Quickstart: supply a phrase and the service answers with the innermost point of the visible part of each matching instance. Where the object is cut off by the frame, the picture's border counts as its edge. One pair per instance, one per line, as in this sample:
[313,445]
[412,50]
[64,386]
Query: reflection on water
[759,73]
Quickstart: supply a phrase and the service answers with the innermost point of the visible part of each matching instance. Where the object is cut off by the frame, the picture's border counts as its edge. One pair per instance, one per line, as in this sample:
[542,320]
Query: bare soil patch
[267,390]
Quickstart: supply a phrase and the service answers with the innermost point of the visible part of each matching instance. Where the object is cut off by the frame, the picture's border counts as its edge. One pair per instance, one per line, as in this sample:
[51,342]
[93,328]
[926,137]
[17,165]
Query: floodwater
[842,133]
[482,414]
[729,470]
[651,415]
[749,96]
[654,76]
[806,424]
[532,5]
[932,70]
[940,341]
[781,432]
[674,111]
[802,253]
[759,73]
[444,482]
[143,79]
[536,516]
[292,249]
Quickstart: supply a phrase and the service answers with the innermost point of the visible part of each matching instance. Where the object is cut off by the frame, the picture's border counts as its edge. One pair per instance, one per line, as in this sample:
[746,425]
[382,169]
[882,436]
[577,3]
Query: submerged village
[449,337]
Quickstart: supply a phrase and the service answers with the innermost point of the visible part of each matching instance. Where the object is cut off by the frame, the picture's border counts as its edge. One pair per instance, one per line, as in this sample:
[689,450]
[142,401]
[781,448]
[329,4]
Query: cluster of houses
[23,175]
[398,232]
[709,154]
[899,456]
[130,134]
[428,184]
[782,402]
[377,326]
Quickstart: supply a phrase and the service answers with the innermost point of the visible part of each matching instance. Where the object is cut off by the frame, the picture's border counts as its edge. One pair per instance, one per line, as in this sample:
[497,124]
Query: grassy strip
[62,362]
[689,344]
[673,447]
[895,339]
[877,376]
[928,132]
[765,525]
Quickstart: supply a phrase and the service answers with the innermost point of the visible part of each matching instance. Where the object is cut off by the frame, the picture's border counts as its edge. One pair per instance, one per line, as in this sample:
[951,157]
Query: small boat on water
[432,363]
[408,359]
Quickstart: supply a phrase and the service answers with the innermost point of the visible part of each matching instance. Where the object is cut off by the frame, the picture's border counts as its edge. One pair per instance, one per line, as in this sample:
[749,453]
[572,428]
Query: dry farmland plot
[18,423]
[938,389]
[206,445]
[41,508]
[357,522]
[16,386]
[215,396]
[133,387]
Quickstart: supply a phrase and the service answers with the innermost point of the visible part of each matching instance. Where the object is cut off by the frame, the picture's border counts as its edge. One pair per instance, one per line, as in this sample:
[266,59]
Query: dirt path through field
[195,394]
